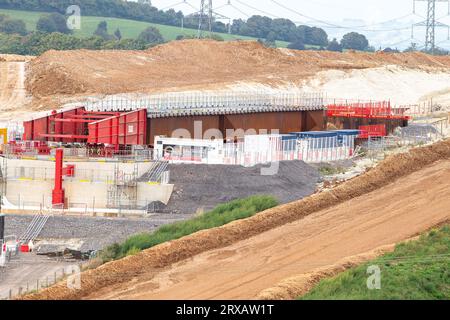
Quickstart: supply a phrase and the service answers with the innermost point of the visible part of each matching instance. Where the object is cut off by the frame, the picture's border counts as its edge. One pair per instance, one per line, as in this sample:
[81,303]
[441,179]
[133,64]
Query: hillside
[205,64]
[128,28]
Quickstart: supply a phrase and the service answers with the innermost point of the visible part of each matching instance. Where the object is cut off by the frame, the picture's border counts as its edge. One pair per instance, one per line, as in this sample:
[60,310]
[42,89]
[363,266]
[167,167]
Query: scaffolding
[122,191]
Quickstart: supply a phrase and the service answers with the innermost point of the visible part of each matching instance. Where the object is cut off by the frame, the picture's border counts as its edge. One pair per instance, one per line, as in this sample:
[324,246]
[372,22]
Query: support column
[58,191]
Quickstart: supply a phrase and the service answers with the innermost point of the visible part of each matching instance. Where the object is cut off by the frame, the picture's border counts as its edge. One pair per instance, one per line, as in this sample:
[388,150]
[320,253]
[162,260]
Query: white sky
[370,10]
[336,12]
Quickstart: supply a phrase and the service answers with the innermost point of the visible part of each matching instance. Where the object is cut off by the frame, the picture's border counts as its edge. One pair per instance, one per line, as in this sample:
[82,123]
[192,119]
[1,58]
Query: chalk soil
[13,94]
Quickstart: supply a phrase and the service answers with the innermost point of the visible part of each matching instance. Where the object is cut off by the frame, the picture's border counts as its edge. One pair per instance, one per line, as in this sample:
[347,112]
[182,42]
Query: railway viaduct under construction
[118,121]
[138,122]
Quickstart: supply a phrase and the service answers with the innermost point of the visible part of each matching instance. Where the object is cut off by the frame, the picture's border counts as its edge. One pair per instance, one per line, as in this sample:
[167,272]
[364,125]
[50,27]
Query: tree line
[52,33]
[256,26]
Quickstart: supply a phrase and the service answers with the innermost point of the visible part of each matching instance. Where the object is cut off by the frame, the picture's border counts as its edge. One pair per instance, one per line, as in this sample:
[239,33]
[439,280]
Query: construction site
[98,146]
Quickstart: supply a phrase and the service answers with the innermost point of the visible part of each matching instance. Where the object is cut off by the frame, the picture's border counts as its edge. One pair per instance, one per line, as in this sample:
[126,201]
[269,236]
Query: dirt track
[240,271]
[12,89]
[13,95]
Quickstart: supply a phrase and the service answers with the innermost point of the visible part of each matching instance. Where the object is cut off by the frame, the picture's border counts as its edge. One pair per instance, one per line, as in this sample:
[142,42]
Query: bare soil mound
[149,262]
[191,64]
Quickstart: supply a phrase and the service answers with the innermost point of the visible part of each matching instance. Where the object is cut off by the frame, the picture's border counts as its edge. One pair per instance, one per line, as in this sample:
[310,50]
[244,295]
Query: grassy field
[221,215]
[415,270]
[128,28]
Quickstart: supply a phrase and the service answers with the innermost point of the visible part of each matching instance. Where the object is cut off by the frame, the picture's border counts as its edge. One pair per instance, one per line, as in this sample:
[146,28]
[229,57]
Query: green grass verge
[329,170]
[129,28]
[415,270]
[221,215]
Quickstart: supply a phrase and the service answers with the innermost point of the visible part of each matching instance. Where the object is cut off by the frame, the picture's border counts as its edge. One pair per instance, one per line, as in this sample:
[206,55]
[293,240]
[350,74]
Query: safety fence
[29,151]
[38,173]
[87,206]
[23,287]
[207,100]
[413,135]
[382,109]
[263,149]
[310,150]
[139,172]
[424,109]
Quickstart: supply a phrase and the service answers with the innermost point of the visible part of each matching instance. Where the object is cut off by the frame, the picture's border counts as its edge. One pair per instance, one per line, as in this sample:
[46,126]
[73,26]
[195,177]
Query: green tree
[53,22]
[271,40]
[12,44]
[334,45]
[12,26]
[300,34]
[297,45]
[317,37]
[151,36]
[45,24]
[284,29]
[118,34]
[355,41]
[125,44]
[237,25]
[257,26]
[102,31]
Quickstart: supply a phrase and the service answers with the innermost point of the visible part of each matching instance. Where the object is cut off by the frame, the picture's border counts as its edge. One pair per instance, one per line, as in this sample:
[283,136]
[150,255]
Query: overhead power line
[303,15]
[259,10]
[431,23]
[229,4]
[361,27]
[185,2]
[172,5]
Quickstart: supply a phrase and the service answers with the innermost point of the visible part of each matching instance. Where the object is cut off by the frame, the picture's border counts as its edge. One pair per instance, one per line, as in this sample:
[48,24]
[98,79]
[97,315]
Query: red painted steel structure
[371,110]
[79,125]
[58,193]
[125,129]
[375,130]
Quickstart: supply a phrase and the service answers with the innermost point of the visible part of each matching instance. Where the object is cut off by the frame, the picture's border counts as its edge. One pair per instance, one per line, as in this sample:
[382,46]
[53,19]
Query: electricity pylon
[431,24]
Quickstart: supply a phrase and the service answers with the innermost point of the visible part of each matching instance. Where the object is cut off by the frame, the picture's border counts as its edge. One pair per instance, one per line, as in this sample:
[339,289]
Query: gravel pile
[95,232]
[202,187]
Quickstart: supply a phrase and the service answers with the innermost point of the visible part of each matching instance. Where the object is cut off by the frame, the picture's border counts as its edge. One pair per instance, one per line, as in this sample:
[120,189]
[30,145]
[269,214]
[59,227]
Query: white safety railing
[272,149]
[209,101]
[34,228]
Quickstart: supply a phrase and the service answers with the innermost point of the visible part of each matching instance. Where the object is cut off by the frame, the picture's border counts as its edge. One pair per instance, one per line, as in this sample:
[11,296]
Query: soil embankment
[211,65]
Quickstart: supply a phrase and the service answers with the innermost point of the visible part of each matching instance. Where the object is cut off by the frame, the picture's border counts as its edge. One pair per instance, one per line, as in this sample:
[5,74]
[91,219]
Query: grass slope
[415,270]
[221,215]
[128,28]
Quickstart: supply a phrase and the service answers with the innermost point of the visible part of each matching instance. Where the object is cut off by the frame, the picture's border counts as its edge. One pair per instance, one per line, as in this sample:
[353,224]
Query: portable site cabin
[188,150]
